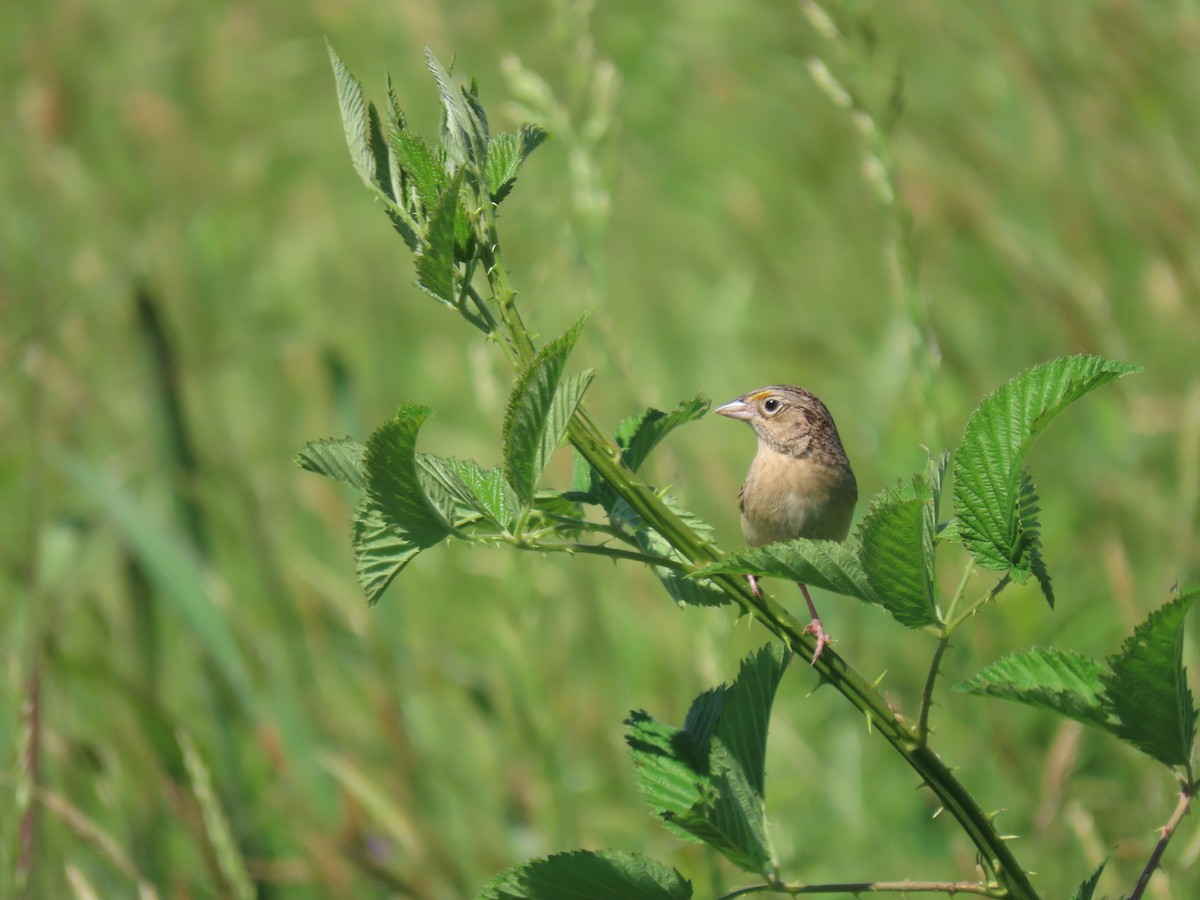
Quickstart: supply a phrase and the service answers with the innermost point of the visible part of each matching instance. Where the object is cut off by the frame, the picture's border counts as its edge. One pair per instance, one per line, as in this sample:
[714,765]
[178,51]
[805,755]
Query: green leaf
[1062,682]
[506,153]
[338,458]
[824,564]
[503,161]
[589,875]
[1146,686]
[381,170]
[706,780]
[531,136]
[381,551]
[436,262]
[639,435]
[988,465]
[897,555]
[464,124]
[684,590]
[1028,510]
[1087,889]
[475,490]
[539,410]
[354,119]
[424,167]
[395,485]
[743,726]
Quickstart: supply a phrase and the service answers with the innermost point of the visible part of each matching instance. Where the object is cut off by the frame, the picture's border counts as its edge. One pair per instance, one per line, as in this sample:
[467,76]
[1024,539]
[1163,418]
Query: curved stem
[927,693]
[1186,793]
[604,455]
[870,887]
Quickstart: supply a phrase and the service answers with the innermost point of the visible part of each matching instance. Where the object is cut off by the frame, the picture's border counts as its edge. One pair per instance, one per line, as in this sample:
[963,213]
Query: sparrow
[800,484]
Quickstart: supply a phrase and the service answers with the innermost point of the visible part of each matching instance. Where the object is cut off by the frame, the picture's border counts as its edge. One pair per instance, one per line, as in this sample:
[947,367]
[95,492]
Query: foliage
[194,284]
[706,780]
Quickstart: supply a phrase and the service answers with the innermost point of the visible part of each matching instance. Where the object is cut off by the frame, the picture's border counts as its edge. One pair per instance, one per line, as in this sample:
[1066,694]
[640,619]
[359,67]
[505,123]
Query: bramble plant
[705,780]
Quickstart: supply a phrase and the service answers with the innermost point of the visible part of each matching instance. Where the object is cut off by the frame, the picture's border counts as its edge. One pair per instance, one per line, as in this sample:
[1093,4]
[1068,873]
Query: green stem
[1186,792]
[871,887]
[612,553]
[604,455]
[927,693]
[980,603]
[962,588]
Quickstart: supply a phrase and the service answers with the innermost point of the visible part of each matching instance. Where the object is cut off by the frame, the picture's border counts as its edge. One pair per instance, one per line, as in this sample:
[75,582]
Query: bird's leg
[754,588]
[814,627]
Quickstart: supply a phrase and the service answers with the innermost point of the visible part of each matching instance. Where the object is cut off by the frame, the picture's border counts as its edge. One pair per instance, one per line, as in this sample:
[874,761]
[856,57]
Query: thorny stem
[871,887]
[604,455]
[1186,792]
[611,552]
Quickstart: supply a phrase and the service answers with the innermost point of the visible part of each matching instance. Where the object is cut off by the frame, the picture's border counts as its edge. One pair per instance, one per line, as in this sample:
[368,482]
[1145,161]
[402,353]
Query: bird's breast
[786,498]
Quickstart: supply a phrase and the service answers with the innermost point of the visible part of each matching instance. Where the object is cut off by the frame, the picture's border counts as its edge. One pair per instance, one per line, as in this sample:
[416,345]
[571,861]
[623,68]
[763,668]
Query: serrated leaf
[354,118]
[380,168]
[589,875]
[503,161]
[1028,510]
[531,137]
[539,409]
[639,435]
[423,167]
[436,262]
[684,590]
[464,124]
[338,458]
[476,491]
[506,154]
[896,551]
[1146,686]
[1062,682]
[1087,888]
[706,780]
[381,551]
[988,463]
[395,485]
[747,714]
[824,564]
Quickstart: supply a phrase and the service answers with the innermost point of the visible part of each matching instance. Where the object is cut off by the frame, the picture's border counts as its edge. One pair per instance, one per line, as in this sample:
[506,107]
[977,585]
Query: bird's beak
[736,409]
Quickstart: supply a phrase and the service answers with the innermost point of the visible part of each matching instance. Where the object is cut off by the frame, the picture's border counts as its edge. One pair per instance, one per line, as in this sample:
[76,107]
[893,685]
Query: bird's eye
[771,406]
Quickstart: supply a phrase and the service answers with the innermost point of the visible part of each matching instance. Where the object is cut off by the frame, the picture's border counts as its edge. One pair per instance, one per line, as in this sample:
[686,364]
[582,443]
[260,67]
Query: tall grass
[708,200]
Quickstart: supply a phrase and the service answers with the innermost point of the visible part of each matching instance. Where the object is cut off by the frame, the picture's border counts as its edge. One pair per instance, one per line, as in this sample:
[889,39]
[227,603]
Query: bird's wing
[742,498]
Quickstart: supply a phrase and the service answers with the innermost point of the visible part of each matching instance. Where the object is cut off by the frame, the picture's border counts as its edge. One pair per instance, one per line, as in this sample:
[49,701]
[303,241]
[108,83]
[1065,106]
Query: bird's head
[788,419]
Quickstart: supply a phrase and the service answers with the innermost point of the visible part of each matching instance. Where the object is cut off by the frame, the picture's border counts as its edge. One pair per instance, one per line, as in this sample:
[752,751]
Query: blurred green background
[168,570]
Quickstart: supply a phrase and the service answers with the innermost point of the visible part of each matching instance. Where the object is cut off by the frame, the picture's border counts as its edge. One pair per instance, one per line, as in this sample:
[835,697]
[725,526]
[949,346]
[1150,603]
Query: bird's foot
[754,588]
[814,628]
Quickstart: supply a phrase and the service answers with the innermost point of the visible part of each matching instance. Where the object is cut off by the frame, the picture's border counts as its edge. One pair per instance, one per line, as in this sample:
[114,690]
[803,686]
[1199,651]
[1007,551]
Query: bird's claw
[754,588]
[814,628]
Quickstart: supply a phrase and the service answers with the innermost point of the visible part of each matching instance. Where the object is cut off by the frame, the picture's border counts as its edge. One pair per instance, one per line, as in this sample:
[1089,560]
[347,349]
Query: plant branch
[927,693]
[961,590]
[1186,793]
[605,457]
[612,553]
[871,887]
[980,603]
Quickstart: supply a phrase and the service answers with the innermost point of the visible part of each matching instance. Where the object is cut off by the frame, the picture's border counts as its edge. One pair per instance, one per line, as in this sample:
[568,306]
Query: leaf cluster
[705,780]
